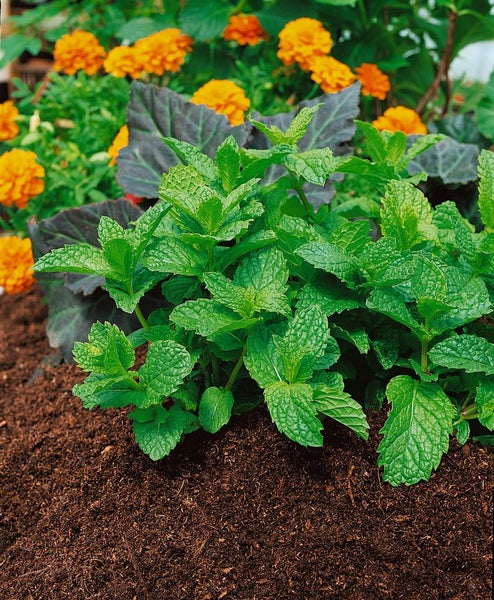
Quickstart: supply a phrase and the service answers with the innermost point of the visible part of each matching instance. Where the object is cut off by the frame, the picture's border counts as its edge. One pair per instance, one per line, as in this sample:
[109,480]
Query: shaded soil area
[243,514]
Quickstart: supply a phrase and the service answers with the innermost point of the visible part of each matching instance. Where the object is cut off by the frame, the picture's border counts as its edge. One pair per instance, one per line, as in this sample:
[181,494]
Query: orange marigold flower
[374,82]
[120,141]
[400,118]
[302,40]
[16,260]
[225,97]
[331,74]
[78,51]
[8,115]
[122,61]
[163,51]
[20,177]
[244,29]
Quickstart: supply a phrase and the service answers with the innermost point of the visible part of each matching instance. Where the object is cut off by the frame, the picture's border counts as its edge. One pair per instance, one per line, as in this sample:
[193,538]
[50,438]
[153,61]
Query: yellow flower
[244,29]
[400,118]
[122,61]
[374,82]
[225,97]
[16,260]
[302,40]
[77,51]
[8,115]
[163,51]
[120,141]
[20,177]
[331,74]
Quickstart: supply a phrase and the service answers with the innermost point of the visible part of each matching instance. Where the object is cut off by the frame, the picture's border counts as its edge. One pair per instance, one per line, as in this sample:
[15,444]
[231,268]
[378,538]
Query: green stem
[141,317]
[423,354]
[236,370]
[470,412]
[239,8]
[297,186]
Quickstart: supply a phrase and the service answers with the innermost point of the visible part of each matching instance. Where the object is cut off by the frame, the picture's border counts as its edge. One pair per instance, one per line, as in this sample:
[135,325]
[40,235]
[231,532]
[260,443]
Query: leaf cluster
[265,298]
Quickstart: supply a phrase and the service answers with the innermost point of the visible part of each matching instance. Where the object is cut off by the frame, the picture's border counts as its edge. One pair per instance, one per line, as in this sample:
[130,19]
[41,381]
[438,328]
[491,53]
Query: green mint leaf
[109,230]
[341,407]
[190,155]
[74,258]
[293,411]
[357,337]
[206,317]
[273,133]
[390,302]
[303,343]
[238,194]
[468,352]
[120,256]
[330,294]
[263,361]
[428,280]
[406,215]
[416,433]
[228,163]
[266,272]
[215,408]
[180,288]
[172,254]
[157,431]
[420,144]
[462,429]
[107,351]
[486,188]
[237,298]
[484,399]
[396,145]
[331,259]
[248,245]
[352,236]
[167,363]
[300,123]
[315,166]
[374,143]
[107,392]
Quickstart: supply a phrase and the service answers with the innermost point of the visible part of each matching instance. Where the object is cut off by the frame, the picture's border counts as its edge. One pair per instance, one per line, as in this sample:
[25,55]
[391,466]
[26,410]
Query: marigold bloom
[331,74]
[16,260]
[302,40]
[122,61]
[244,29]
[20,177]
[400,118]
[120,141]
[225,97]
[78,51]
[374,82]
[163,51]
[8,115]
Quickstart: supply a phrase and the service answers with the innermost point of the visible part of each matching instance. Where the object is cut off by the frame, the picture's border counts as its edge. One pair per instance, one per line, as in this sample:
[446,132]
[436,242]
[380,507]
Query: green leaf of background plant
[467,352]
[215,409]
[417,431]
[292,410]
[204,21]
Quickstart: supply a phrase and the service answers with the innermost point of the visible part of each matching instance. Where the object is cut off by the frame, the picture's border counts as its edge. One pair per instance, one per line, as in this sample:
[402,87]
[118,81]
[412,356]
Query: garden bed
[245,514]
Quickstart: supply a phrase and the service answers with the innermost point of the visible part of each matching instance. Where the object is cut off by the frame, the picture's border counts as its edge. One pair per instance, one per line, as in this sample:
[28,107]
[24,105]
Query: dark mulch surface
[243,514]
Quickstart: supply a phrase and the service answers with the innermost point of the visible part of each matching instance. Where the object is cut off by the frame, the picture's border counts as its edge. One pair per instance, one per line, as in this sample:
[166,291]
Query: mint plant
[265,298]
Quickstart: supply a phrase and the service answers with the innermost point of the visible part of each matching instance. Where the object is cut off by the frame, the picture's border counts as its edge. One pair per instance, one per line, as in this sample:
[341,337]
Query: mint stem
[141,317]
[235,370]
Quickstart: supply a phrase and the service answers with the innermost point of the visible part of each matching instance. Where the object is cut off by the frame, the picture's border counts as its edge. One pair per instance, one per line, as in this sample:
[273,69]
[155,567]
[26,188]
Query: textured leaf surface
[173,255]
[237,298]
[406,215]
[293,411]
[215,409]
[417,431]
[484,399]
[486,188]
[158,436]
[341,407]
[205,317]
[107,350]
[332,296]
[263,361]
[391,303]
[470,353]
[167,363]
[330,258]
[154,113]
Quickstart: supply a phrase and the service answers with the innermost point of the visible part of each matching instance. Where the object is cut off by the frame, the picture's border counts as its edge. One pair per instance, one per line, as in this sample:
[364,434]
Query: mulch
[244,514]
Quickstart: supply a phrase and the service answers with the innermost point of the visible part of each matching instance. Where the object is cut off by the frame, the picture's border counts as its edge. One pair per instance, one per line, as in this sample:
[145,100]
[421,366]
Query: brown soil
[243,514]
